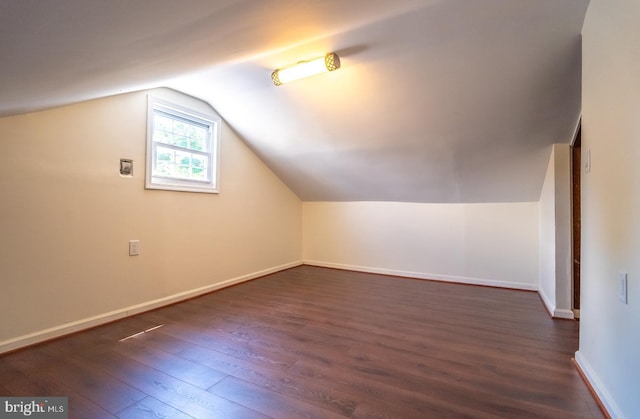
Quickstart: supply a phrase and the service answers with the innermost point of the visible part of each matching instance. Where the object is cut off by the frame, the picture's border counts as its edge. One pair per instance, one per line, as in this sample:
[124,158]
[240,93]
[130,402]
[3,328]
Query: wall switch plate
[622,287]
[134,247]
[587,161]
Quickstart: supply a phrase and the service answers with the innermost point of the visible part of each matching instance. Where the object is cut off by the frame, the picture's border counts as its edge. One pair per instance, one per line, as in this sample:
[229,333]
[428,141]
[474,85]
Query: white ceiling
[436,100]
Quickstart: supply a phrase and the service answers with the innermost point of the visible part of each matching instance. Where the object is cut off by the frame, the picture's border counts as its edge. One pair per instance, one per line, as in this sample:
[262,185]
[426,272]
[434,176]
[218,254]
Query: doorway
[576,167]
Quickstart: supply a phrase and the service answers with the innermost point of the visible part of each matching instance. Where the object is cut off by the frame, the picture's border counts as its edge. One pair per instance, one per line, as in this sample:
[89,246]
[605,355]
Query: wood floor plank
[236,347]
[325,395]
[419,397]
[102,389]
[272,403]
[169,390]
[22,380]
[150,408]
[188,371]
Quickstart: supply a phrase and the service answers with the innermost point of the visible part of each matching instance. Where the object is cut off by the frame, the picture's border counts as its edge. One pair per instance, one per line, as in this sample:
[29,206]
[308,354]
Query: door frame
[576,218]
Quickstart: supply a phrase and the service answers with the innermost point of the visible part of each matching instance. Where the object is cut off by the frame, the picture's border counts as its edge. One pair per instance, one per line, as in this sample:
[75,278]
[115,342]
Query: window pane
[198,133]
[180,164]
[165,154]
[162,123]
[196,144]
[180,128]
[180,133]
[165,162]
[199,173]
[161,136]
[181,141]
[198,138]
[164,168]
[183,159]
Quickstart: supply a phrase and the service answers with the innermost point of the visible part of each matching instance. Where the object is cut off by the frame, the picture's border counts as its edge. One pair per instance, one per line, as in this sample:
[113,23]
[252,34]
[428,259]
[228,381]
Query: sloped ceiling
[436,100]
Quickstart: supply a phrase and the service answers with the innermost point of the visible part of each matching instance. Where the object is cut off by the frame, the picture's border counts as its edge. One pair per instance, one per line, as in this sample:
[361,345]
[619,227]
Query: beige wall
[555,233]
[66,216]
[610,329]
[547,236]
[490,244]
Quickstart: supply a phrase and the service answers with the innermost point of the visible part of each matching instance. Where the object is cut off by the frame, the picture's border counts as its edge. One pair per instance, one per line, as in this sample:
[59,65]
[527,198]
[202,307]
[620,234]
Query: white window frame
[173,110]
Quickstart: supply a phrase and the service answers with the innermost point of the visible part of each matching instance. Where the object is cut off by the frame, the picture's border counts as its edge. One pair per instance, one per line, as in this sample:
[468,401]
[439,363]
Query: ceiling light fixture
[329,62]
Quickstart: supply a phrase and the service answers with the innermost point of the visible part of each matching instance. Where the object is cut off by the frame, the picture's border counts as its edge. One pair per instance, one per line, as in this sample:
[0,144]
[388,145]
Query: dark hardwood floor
[318,343]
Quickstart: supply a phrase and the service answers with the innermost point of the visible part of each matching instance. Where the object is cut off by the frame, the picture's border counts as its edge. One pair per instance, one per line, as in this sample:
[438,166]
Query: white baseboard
[429,276]
[67,328]
[556,313]
[561,313]
[602,392]
[551,308]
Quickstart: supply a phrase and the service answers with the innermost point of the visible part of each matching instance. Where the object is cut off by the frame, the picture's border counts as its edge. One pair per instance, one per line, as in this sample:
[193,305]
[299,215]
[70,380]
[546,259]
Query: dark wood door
[575,199]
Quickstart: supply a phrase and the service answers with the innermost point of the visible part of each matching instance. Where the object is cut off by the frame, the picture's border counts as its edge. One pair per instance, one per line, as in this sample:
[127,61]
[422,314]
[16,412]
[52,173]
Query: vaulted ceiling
[436,100]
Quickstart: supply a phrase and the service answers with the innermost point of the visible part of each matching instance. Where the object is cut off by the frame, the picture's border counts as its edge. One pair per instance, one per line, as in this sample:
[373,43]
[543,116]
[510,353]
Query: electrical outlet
[134,247]
[622,287]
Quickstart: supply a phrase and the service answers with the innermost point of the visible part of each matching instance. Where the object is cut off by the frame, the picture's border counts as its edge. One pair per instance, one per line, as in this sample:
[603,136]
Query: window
[182,148]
